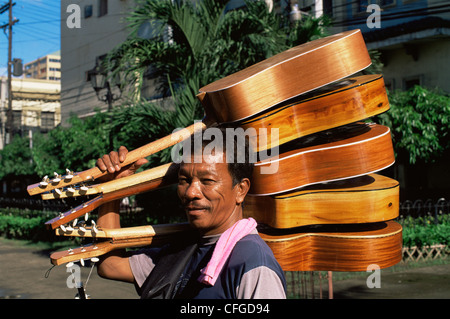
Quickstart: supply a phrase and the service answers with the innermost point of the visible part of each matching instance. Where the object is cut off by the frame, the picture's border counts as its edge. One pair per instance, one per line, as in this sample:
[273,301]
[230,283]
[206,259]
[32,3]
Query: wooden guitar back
[365,199]
[293,72]
[337,248]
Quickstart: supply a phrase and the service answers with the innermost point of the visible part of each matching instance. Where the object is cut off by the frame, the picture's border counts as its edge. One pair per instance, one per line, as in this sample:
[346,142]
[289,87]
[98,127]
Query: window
[328,7]
[47,121]
[362,5]
[102,8]
[88,11]
[384,3]
[17,120]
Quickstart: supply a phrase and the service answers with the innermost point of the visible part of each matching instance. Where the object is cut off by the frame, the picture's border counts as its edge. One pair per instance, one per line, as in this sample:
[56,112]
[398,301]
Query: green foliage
[76,147]
[420,123]
[205,44]
[423,231]
[15,158]
[25,224]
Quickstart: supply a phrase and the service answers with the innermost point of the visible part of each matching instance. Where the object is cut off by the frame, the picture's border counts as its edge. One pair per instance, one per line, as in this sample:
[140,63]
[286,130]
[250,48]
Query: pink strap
[223,248]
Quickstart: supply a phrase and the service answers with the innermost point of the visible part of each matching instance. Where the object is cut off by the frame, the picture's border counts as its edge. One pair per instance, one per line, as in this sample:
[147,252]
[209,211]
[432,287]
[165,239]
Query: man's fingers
[101,165]
[122,153]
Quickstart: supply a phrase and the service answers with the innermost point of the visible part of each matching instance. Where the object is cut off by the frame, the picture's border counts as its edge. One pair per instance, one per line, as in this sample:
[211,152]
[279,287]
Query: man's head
[213,182]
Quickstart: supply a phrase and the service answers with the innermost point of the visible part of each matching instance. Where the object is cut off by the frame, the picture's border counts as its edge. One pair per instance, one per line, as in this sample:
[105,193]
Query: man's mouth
[193,210]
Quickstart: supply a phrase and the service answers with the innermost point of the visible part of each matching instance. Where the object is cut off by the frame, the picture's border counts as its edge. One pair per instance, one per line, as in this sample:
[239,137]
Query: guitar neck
[150,179]
[107,240]
[132,156]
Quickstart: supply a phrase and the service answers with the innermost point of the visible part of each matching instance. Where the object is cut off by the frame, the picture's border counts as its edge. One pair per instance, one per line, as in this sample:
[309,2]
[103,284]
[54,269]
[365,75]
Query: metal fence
[416,208]
[423,208]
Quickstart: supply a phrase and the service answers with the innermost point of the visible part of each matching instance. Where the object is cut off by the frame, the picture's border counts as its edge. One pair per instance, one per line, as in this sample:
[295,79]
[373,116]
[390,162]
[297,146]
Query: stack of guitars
[324,208]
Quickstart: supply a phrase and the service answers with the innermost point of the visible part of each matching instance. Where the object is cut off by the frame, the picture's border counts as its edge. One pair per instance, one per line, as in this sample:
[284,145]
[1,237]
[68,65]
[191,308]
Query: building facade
[45,68]
[413,36]
[35,106]
[89,30]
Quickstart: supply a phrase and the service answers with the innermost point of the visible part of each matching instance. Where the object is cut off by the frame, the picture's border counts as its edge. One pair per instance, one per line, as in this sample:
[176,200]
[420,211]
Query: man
[228,260]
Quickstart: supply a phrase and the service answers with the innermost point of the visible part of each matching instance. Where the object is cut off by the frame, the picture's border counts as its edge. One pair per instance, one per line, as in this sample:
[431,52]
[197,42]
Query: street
[23,270]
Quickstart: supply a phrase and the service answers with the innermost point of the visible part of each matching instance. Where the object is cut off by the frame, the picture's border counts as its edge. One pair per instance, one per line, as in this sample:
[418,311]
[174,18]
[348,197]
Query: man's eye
[208,181]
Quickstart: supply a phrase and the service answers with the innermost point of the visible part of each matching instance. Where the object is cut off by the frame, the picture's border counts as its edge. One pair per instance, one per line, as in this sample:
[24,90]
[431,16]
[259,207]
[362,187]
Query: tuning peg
[94,227]
[71,189]
[45,181]
[57,178]
[75,222]
[63,228]
[84,188]
[86,216]
[69,174]
[82,261]
[81,225]
[58,191]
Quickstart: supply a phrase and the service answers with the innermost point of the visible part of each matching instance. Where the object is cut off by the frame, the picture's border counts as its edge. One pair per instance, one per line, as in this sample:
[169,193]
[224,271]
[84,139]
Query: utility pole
[9,113]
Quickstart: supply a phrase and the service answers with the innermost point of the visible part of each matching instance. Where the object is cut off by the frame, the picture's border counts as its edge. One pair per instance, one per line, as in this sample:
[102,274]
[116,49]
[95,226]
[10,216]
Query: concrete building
[413,36]
[35,106]
[45,68]
[89,30]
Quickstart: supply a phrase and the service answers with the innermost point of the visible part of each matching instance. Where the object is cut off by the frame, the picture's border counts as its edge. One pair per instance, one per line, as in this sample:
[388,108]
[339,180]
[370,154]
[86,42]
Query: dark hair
[240,158]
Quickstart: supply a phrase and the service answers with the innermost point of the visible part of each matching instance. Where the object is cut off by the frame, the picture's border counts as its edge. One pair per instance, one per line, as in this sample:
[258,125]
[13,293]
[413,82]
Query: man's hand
[111,163]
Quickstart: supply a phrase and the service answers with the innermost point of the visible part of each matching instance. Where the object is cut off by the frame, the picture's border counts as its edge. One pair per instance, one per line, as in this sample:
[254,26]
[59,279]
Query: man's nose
[193,191]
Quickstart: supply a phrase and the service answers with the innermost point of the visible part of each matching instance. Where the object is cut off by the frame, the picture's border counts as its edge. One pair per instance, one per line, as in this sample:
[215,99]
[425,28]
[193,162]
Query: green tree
[420,123]
[16,159]
[76,147]
[193,45]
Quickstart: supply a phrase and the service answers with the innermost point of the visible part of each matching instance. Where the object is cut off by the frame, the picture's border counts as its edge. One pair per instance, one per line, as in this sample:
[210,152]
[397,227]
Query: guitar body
[365,199]
[368,149]
[337,248]
[344,102]
[290,73]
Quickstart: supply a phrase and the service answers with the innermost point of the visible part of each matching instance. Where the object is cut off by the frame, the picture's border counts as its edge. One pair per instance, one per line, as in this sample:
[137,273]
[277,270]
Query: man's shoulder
[252,251]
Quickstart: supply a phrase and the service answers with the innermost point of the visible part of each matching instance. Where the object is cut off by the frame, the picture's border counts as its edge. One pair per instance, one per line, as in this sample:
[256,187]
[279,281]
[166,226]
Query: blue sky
[35,35]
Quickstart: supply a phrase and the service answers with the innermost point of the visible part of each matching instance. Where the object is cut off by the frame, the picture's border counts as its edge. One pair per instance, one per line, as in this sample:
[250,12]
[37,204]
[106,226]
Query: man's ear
[242,189]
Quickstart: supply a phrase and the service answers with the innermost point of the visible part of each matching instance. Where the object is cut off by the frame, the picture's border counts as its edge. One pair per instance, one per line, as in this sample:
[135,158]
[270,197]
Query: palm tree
[193,44]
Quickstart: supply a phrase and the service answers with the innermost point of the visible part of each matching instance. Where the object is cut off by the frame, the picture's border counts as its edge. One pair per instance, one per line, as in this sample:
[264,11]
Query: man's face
[208,197]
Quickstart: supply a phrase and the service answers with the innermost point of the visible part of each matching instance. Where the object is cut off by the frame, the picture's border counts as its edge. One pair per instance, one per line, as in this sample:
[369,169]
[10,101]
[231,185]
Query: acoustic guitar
[365,199]
[296,71]
[337,154]
[276,79]
[336,247]
[340,103]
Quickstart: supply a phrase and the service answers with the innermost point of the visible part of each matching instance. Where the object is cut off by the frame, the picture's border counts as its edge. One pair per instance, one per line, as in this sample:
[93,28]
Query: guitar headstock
[97,249]
[59,181]
[74,213]
[70,191]
[81,253]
